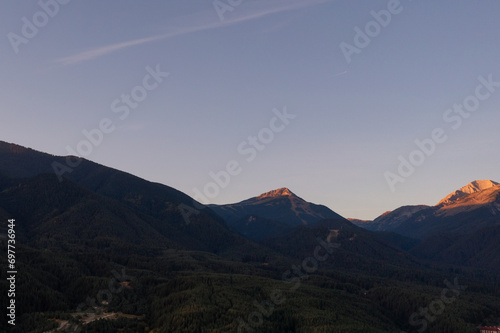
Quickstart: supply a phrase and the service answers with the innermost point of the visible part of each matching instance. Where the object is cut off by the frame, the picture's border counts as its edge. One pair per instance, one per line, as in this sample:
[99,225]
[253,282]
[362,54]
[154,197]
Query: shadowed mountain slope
[280,205]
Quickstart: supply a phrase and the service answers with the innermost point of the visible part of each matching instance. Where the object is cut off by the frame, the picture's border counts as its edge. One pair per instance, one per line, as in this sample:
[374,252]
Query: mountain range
[207,274]
[272,213]
[464,211]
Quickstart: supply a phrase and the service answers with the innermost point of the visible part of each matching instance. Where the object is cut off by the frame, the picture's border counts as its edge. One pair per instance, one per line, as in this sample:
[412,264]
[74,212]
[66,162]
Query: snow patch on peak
[478,185]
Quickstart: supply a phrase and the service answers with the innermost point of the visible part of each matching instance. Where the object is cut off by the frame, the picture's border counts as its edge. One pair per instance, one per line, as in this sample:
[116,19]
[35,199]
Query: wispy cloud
[199,22]
[97,52]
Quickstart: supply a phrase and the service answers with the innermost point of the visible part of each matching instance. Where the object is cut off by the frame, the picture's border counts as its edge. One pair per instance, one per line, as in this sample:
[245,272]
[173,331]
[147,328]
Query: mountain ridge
[156,204]
[470,188]
[477,201]
[183,276]
[281,192]
[281,205]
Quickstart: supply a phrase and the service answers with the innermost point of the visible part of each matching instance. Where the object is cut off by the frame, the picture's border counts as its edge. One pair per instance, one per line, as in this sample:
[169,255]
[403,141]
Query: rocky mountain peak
[472,187]
[281,192]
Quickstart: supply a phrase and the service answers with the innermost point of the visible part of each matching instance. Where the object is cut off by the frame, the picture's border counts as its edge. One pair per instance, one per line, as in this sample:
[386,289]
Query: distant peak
[281,192]
[478,185]
[473,187]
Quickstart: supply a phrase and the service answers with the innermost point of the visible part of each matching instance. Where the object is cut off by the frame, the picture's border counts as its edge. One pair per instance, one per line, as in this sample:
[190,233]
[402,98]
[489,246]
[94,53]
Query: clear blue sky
[353,120]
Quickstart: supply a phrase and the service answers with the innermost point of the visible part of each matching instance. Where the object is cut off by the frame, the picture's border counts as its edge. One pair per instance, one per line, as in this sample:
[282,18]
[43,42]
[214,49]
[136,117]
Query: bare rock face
[472,187]
[281,192]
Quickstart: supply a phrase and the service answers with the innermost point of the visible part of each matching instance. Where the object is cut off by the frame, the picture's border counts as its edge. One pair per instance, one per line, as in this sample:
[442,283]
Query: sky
[224,100]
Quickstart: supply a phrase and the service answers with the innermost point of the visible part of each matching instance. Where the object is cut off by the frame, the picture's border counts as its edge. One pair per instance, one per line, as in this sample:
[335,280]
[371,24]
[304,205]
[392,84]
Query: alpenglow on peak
[472,187]
[281,192]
